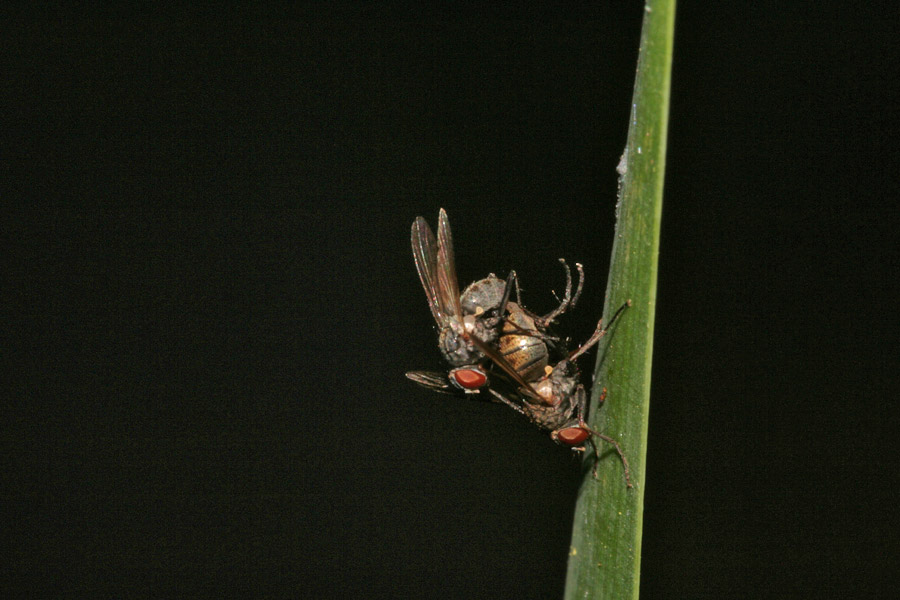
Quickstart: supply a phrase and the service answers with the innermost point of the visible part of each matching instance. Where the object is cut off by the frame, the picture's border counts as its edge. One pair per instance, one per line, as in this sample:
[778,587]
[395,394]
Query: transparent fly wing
[433,381]
[425,255]
[448,288]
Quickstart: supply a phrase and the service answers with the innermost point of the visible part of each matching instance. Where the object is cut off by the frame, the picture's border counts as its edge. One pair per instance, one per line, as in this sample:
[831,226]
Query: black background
[211,302]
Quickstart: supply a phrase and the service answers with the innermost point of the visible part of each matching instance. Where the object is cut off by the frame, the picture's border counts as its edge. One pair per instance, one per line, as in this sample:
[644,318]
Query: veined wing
[425,255]
[433,381]
[448,287]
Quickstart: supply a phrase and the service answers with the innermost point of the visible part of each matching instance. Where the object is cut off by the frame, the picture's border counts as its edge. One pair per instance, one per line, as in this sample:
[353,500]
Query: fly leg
[568,300]
[518,293]
[580,404]
[580,285]
[516,330]
[507,401]
[598,333]
[511,280]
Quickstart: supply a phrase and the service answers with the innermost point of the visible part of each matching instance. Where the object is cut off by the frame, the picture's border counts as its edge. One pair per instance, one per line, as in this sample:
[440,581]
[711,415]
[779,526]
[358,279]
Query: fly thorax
[565,377]
[546,417]
[545,390]
[455,349]
[458,328]
[557,385]
[565,386]
[486,293]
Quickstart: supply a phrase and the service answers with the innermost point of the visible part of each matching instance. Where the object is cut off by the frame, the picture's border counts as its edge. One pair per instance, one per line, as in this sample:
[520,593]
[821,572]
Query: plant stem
[605,554]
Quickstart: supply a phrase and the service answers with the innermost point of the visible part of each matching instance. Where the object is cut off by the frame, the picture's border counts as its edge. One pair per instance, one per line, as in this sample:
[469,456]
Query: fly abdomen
[521,344]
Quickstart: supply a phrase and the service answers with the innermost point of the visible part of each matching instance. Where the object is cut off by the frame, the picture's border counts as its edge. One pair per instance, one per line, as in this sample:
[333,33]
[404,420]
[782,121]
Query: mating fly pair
[483,327]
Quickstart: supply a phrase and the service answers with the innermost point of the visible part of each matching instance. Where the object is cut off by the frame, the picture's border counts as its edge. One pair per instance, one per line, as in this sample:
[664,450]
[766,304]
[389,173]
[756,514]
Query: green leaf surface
[605,554]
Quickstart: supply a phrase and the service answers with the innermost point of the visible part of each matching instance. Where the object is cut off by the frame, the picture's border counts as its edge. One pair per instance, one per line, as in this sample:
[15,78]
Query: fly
[556,401]
[482,315]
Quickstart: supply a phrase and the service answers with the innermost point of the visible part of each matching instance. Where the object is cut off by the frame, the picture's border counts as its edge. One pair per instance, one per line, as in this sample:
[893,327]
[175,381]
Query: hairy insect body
[483,327]
[473,325]
[485,294]
[480,304]
[559,390]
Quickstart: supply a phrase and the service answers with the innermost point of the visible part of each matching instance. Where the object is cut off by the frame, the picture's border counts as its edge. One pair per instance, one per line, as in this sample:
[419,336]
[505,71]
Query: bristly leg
[598,333]
[507,402]
[580,407]
[516,330]
[580,285]
[511,280]
[566,302]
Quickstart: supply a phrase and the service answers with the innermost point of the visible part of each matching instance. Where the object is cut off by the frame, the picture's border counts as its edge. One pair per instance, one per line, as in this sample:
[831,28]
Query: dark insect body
[483,326]
[556,402]
[482,314]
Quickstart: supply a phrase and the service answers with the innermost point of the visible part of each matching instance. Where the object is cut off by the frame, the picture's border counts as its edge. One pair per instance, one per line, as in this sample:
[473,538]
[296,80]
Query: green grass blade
[605,555]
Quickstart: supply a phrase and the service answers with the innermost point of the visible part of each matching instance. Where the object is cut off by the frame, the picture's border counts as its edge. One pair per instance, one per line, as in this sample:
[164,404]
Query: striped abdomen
[526,353]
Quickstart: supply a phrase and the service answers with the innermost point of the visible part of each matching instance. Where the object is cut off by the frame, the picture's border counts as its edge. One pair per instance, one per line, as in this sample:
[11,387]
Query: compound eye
[469,379]
[573,436]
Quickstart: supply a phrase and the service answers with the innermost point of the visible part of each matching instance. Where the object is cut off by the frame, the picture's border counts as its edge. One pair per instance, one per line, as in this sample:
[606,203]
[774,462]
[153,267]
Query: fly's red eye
[573,436]
[470,379]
